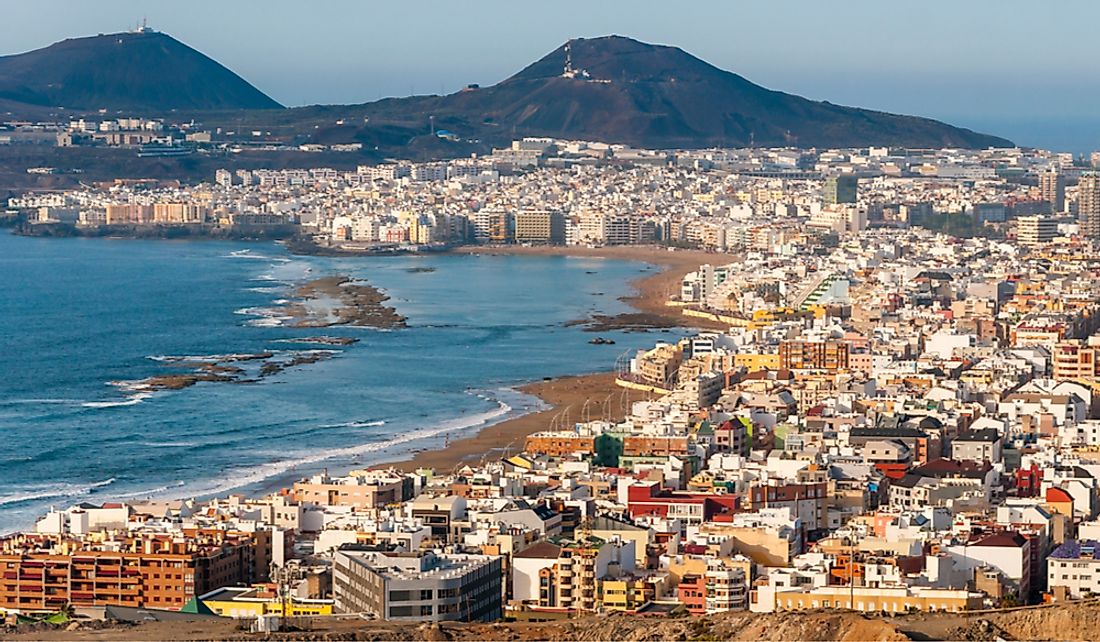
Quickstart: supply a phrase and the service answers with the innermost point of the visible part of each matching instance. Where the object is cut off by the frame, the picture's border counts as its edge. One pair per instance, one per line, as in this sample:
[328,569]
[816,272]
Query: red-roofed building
[1059,500]
[690,508]
[1008,552]
[695,549]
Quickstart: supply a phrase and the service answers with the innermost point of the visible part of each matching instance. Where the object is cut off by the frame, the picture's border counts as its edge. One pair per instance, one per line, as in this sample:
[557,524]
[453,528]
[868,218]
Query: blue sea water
[79,314]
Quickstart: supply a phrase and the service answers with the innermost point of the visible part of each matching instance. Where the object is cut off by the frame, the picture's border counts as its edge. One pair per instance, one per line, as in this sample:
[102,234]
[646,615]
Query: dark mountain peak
[617,58]
[617,89]
[139,70]
[97,44]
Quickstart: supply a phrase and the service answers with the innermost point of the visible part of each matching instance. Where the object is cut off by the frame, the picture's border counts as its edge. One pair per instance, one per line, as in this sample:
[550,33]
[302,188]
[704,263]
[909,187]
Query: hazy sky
[1024,70]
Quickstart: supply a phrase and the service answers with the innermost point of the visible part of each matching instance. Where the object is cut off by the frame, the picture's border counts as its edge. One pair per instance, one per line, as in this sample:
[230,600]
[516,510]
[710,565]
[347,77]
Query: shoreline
[566,394]
[652,290]
[561,394]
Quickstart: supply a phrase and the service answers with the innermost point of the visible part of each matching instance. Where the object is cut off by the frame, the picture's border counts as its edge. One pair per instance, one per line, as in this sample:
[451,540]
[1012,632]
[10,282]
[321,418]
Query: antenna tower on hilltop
[568,71]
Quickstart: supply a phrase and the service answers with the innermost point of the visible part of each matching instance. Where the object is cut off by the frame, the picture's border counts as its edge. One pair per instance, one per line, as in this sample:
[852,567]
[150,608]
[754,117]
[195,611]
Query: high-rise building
[813,355]
[1036,230]
[1088,204]
[842,188]
[1052,189]
[493,225]
[540,226]
[567,574]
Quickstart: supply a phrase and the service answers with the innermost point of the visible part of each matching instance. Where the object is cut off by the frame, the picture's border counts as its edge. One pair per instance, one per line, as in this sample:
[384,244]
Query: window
[426,609]
[426,594]
[399,596]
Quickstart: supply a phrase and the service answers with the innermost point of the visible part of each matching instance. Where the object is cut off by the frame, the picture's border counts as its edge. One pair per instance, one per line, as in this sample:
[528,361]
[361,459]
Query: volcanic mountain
[619,90]
[143,71]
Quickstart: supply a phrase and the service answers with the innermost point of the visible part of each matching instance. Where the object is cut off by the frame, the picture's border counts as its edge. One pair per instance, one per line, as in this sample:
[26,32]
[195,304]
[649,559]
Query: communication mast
[285,578]
[568,71]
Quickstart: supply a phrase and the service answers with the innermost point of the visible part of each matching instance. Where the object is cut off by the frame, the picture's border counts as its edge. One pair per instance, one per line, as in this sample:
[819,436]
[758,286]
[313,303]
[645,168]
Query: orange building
[692,593]
[360,492]
[559,444]
[658,446]
[45,572]
[1075,360]
[813,355]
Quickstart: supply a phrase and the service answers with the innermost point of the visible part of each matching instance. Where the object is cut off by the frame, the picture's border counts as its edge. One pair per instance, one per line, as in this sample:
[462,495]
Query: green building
[841,189]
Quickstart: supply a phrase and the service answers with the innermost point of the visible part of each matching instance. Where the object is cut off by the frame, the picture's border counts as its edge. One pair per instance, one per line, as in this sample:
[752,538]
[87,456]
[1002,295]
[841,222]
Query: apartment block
[47,572]
[418,587]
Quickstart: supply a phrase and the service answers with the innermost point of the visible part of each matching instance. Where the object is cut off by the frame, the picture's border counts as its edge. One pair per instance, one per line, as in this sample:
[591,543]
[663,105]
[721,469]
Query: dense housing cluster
[882,417]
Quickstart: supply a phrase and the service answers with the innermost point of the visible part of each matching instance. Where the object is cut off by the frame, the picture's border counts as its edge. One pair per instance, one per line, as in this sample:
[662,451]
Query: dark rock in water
[219,370]
[326,340]
[355,303]
[628,321]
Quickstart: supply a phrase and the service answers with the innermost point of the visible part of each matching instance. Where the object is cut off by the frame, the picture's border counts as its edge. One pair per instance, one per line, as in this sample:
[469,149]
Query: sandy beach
[653,290]
[564,394]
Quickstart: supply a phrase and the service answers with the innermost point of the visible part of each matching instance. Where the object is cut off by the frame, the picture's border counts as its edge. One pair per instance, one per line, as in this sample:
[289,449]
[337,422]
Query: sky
[1024,70]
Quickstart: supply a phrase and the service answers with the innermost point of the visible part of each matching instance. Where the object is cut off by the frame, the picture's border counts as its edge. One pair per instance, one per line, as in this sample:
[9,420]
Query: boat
[600,341]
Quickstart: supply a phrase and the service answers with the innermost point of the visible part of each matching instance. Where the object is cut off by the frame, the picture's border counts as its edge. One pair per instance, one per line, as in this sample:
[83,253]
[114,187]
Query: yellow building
[753,362]
[628,594]
[660,365]
[764,318]
[179,213]
[872,600]
[540,226]
[977,377]
[248,602]
[764,545]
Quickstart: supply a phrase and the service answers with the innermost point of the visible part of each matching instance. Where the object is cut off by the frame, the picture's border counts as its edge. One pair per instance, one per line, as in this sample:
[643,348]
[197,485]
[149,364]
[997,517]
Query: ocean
[81,319]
